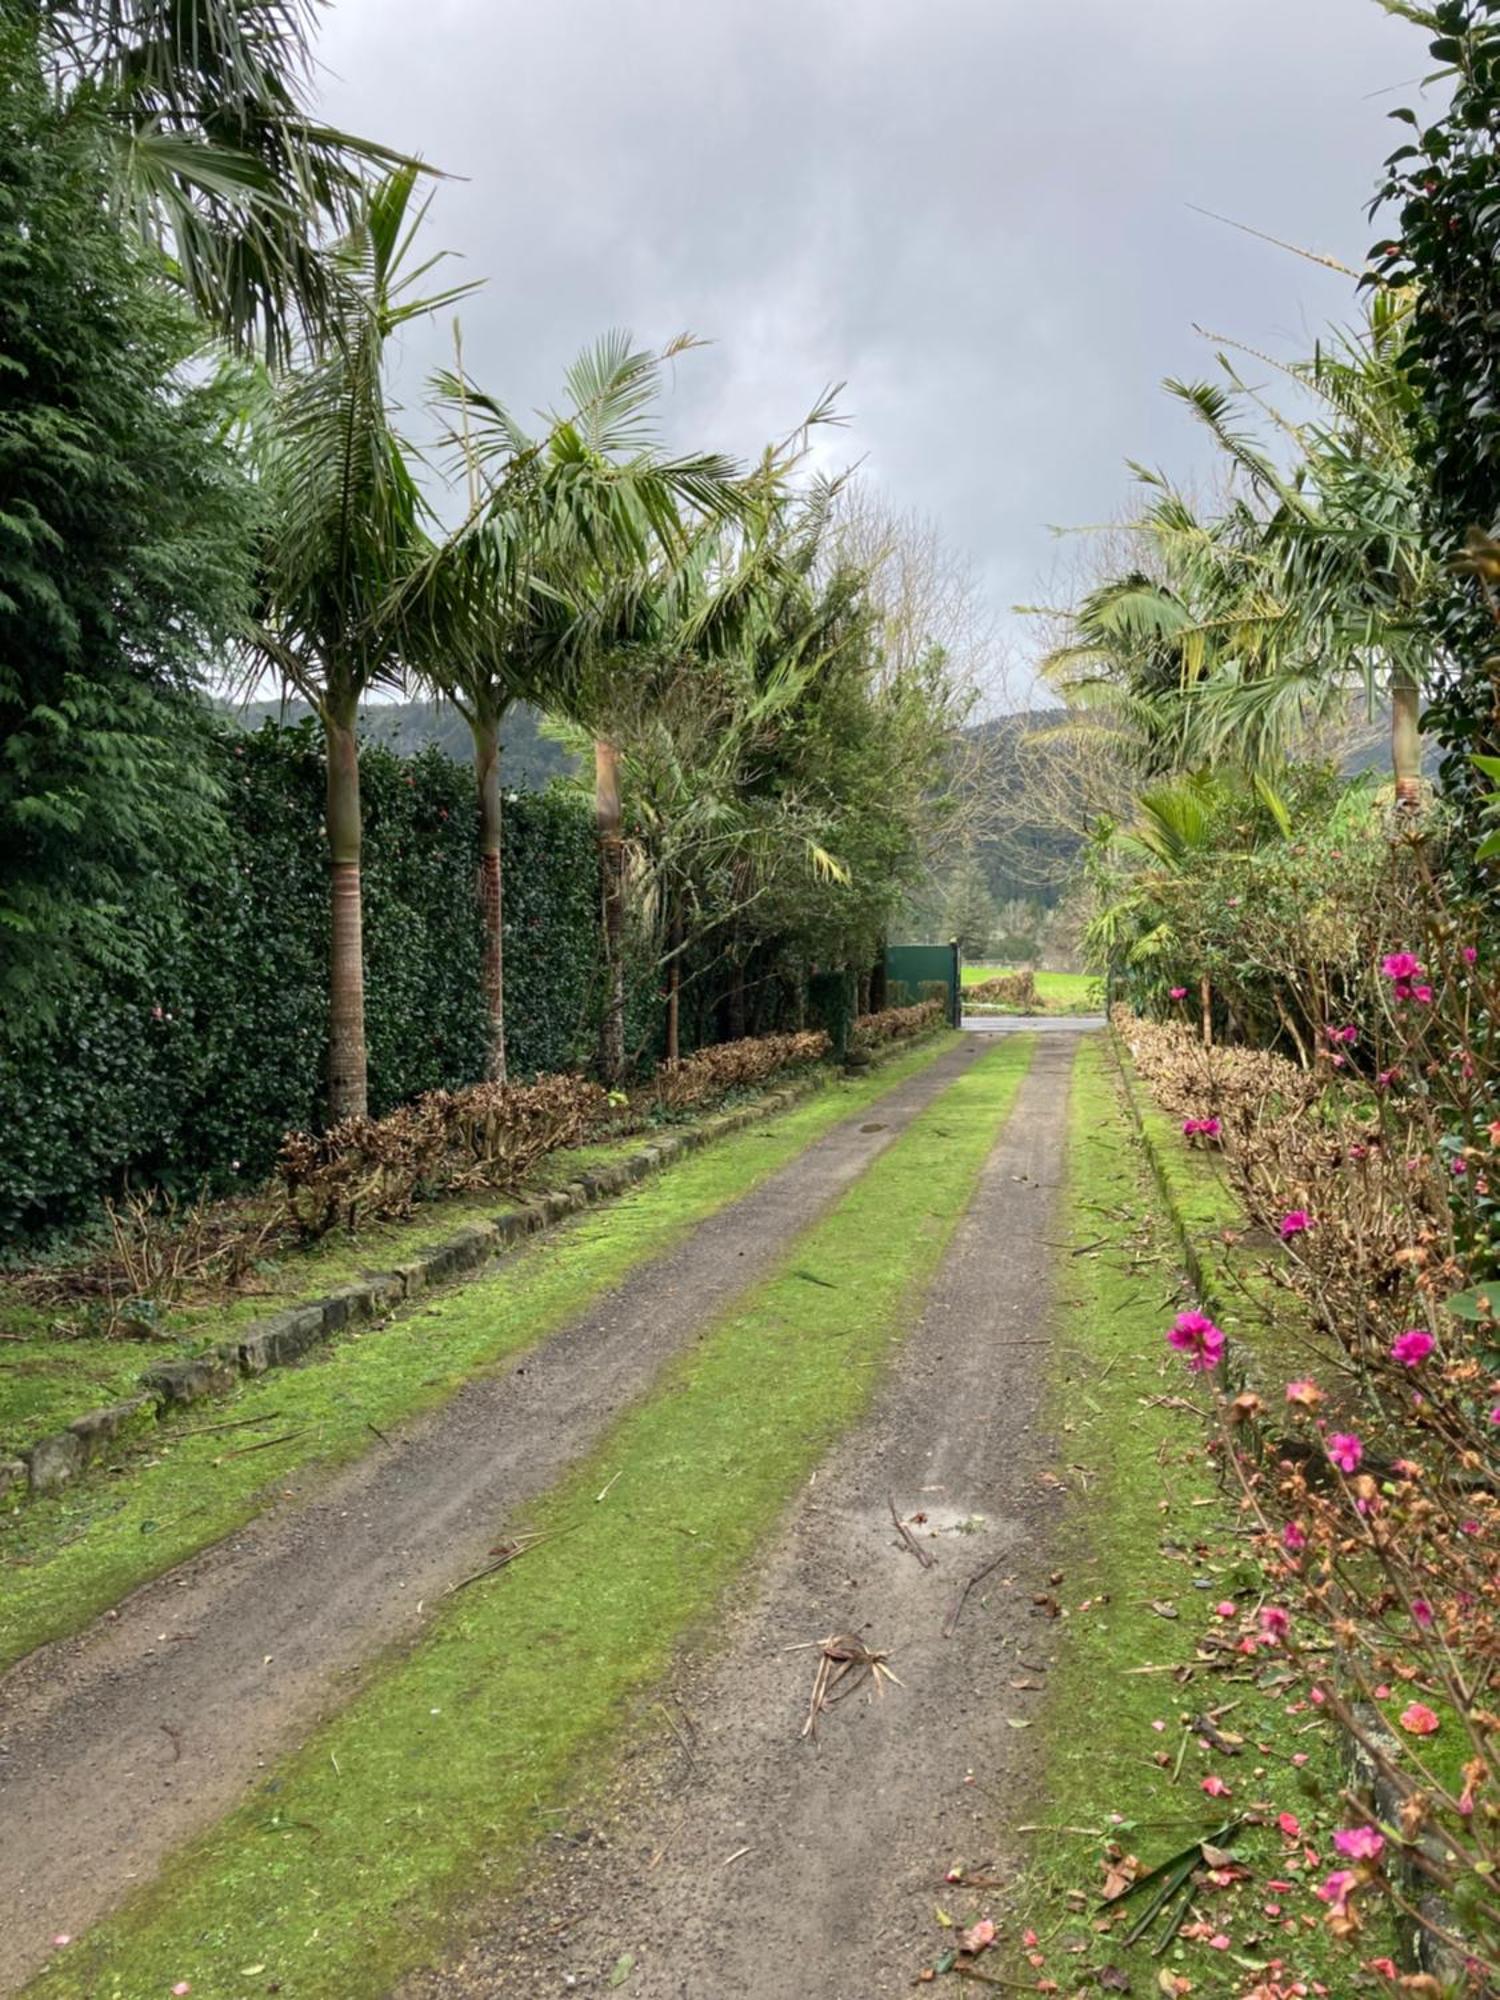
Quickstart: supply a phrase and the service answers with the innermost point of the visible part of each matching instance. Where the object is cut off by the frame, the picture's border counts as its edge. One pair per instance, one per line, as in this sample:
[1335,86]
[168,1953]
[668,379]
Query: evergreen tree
[124,549]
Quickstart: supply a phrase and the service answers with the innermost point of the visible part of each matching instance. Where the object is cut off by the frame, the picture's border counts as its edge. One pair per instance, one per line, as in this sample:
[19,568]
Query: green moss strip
[64,1560]
[429,1789]
[1151,1534]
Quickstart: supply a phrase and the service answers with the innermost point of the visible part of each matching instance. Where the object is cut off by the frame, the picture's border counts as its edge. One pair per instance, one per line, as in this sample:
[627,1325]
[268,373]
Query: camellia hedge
[184,1068]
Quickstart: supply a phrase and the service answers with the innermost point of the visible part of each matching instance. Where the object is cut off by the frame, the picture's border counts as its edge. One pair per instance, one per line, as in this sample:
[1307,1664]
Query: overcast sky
[977,213]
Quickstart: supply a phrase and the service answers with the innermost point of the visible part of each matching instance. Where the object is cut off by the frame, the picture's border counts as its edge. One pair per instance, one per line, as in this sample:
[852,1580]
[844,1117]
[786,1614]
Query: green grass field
[1063,992]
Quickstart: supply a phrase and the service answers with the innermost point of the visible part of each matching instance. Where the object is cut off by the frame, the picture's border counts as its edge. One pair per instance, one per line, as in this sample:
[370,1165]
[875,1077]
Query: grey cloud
[977,212]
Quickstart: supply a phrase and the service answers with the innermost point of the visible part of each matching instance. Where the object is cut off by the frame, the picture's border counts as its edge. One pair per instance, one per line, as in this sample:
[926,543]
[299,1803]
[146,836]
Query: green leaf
[1476,1304]
[623,1967]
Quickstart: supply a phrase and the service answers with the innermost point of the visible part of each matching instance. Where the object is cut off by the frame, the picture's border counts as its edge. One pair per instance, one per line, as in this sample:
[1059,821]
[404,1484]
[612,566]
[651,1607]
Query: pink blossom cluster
[1208,1128]
[1404,970]
[1196,1336]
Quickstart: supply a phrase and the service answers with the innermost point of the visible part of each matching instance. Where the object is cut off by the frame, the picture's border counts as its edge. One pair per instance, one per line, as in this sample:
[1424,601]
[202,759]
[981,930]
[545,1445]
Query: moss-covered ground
[431,1786]
[62,1560]
[1150,1552]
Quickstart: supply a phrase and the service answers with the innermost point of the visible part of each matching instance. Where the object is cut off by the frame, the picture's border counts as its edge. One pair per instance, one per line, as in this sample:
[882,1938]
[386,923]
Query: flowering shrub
[1371,1487]
[733,1066]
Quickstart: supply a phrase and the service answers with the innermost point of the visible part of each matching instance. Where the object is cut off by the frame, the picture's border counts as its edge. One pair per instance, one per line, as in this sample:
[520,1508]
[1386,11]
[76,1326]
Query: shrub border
[1426,1951]
[286,1337]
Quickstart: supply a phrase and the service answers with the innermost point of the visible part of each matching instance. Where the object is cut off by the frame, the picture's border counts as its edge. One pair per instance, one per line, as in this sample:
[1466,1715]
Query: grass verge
[430,1786]
[1150,1551]
[64,1559]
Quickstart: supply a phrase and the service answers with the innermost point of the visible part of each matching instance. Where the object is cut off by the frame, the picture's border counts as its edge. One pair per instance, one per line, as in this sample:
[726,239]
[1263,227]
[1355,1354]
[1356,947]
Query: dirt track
[121,1743]
[742,1863]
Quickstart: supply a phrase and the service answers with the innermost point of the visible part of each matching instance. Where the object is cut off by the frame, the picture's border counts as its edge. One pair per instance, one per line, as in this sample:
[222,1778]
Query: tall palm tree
[204,107]
[346,530]
[562,532]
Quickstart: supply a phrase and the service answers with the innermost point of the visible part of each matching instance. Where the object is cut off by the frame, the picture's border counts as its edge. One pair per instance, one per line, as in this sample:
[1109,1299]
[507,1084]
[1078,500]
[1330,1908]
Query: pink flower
[1179,993]
[1308,1394]
[1274,1622]
[183,1986]
[1360,1843]
[1423,994]
[979,1937]
[1216,1788]
[1225,1608]
[1348,1034]
[1199,1339]
[1386,1077]
[1459,1165]
[1335,1890]
[1495,1414]
[1291,1826]
[1401,965]
[1421,1610]
[1412,1347]
[1417,1719]
[1345,1449]
[1470,954]
[1208,1127]
[1293,1223]
[1294,1536]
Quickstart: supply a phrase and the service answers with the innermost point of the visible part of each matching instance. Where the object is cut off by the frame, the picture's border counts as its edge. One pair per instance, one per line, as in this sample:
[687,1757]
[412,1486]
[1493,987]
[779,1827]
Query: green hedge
[186,1071]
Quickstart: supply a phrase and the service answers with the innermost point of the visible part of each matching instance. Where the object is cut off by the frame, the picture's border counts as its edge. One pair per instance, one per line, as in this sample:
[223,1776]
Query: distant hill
[529,761]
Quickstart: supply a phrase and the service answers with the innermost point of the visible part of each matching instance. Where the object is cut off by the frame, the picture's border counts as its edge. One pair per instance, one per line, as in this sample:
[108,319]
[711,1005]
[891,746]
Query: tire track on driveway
[744,1863]
[117,1745]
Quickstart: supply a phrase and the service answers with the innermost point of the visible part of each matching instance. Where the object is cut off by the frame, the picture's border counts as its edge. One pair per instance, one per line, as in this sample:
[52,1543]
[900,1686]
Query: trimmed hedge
[186,1070]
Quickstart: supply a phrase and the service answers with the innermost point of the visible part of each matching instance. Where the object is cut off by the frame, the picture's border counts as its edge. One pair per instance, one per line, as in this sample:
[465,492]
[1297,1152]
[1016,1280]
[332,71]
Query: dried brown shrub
[895,1022]
[445,1142]
[1008,989]
[733,1066]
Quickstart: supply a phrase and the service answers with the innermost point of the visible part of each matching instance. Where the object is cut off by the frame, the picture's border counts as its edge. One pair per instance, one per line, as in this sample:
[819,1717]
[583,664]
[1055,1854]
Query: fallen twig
[236,1424]
[842,1654]
[265,1444]
[923,1556]
[504,1555]
[950,1624]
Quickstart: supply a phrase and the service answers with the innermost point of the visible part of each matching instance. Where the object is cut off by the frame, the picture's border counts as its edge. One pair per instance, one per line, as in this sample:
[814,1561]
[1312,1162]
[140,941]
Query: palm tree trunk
[348,1095]
[674,988]
[485,728]
[607,819]
[1206,1003]
[1406,742]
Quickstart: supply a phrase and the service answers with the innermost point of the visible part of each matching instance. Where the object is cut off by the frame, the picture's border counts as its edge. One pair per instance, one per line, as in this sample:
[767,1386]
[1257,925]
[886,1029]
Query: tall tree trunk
[1406,740]
[1206,1001]
[348,1095]
[485,727]
[607,819]
[674,987]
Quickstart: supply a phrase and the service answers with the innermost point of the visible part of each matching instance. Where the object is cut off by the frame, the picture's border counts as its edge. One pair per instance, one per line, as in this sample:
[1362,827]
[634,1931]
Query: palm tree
[219,161]
[346,530]
[549,566]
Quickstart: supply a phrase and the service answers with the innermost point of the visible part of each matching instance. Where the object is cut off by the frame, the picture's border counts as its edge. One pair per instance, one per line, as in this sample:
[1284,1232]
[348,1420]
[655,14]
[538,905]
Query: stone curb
[53,1462]
[1426,1952]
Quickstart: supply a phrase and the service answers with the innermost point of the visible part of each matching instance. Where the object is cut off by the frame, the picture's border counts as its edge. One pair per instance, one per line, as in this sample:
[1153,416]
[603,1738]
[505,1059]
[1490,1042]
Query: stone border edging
[54,1461]
[1428,1953]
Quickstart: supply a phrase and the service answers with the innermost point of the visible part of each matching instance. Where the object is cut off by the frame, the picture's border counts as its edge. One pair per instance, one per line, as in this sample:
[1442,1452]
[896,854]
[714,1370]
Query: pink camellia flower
[1225,1608]
[1209,1128]
[1360,1843]
[979,1937]
[1290,1825]
[1417,1719]
[1308,1394]
[1178,993]
[1422,994]
[1294,1536]
[1495,1414]
[1460,1165]
[1412,1347]
[1386,1077]
[1346,1451]
[1348,1034]
[1421,1610]
[1401,965]
[1274,1622]
[1470,954]
[1294,1222]
[1216,1788]
[1199,1339]
[1335,1890]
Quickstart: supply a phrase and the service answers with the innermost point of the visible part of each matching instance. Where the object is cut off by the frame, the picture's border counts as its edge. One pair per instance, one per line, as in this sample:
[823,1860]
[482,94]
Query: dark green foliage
[831,1005]
[124,551]
[185,1060]
[1442,192]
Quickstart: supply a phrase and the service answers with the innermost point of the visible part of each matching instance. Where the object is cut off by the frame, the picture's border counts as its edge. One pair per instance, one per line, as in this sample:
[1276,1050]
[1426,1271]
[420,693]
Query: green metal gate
[913,972]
